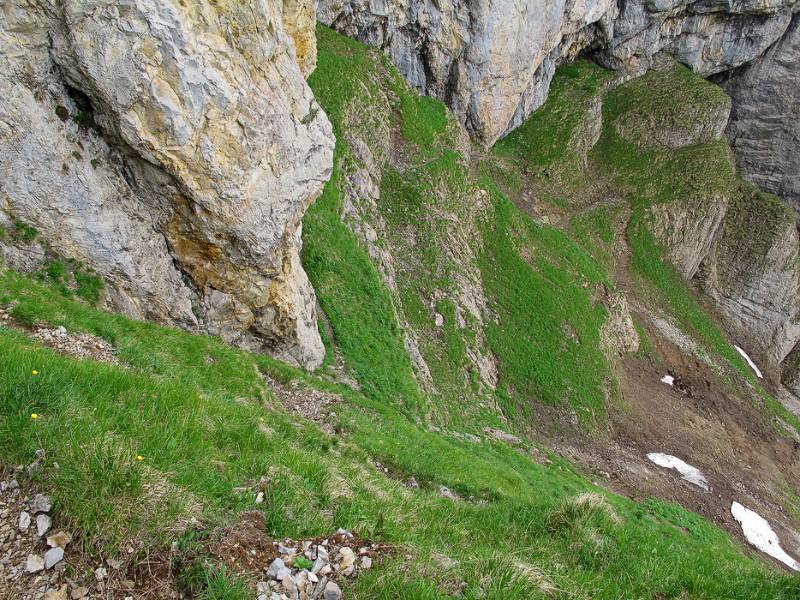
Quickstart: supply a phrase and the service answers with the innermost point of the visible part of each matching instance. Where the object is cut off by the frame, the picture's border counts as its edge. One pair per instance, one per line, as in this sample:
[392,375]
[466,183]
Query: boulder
[173,148]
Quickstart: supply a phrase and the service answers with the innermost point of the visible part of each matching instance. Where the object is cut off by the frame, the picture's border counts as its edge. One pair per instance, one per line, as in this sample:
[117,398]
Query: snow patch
[668,379]
[749,361]
[691,474]
[757,531]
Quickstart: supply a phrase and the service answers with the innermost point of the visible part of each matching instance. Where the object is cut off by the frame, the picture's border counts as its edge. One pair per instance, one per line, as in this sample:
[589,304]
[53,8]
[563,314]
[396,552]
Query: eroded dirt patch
[68,343]
[714,422]
[309,403]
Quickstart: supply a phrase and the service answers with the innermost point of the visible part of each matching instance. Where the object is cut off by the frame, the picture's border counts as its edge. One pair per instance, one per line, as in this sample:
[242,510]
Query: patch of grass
[355,301]
[646,347]
[547,336]
[550,137]
[24,231]
[67,277]
[55,270]
[594,230]
[222,585]
[423,119]
[89,286]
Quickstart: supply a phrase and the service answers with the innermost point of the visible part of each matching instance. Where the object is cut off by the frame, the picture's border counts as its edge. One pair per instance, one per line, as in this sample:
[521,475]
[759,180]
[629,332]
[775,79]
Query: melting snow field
[691,474]
[749,361]
[668,379]
[758,532]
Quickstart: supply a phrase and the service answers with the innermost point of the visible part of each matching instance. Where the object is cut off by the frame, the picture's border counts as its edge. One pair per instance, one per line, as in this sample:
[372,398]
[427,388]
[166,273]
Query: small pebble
[275,567]
[43,523]
[34,564]
[332,591]
[41,504]
[52,557]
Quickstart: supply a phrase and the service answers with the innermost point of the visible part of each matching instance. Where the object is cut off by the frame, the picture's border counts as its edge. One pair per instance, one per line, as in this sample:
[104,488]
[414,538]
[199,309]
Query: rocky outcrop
[300,22]
[739,244]
[764,129]
[492,61]
[173,147]
[752,271]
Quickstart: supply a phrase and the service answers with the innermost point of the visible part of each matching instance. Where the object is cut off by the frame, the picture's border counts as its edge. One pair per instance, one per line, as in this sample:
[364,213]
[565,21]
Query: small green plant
[90,287]
[302,563]
[55,270]
[83,118]
[25,231]
[312,113]
[222,585]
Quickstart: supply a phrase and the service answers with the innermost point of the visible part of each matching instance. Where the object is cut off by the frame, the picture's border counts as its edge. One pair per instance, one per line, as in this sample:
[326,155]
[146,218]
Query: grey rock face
[764,129]
[492,62]
[187,193]
[752,271]
[709,36]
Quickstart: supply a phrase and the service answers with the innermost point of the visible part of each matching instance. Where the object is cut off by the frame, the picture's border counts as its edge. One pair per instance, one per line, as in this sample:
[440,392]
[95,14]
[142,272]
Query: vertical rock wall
[174,148]
[764,129]
[492,61]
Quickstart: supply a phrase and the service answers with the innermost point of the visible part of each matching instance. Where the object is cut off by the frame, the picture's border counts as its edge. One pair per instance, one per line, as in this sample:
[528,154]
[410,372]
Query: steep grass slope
[450,311]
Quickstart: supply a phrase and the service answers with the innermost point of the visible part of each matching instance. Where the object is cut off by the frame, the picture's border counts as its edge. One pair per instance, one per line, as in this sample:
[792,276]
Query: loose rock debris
[317,568]
[31,556]
[291,569]
[312,404]
[78,345]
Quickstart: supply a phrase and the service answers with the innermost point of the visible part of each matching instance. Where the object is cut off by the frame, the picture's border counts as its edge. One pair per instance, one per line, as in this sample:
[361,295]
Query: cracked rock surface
[173,148]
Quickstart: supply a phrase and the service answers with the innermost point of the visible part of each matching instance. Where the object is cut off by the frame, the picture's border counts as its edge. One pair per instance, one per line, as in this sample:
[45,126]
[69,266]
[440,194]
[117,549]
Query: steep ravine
[512,334]
[554,280]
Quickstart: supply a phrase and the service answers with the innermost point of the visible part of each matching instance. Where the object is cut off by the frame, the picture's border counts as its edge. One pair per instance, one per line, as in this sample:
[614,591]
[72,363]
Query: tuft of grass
[588,509]
[222,585]
[89,286]
[25,231]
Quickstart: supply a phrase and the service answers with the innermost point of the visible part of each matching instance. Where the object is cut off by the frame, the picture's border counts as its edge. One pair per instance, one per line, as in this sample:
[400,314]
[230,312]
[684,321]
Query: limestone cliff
[173,148]
[764,130]
[739,244]
[492,61]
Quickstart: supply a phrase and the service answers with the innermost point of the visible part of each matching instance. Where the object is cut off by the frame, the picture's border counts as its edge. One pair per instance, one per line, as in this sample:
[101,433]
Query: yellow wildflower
[34,416]
[139,457]
[34,372]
